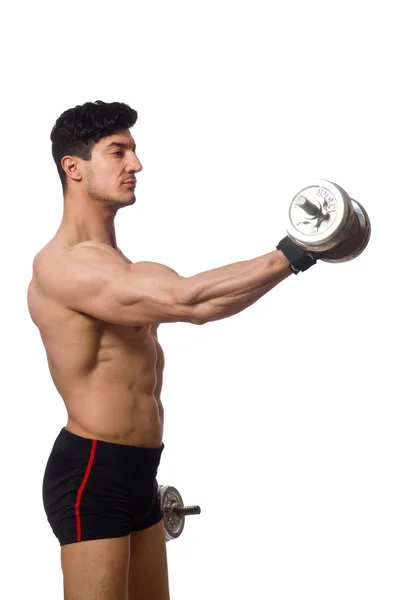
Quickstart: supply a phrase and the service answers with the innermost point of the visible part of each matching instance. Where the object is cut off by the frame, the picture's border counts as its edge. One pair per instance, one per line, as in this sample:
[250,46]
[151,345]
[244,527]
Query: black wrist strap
[299,259]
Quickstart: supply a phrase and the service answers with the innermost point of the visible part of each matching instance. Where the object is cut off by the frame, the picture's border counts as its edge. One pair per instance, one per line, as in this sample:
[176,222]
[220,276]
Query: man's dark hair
[78,129]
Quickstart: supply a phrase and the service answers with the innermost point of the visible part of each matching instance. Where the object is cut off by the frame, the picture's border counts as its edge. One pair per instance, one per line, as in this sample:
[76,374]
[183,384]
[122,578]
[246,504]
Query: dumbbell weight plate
[319,215]
[357,239]
[170,499]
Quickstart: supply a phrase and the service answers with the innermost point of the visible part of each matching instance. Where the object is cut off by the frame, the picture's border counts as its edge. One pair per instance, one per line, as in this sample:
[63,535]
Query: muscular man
[98,315]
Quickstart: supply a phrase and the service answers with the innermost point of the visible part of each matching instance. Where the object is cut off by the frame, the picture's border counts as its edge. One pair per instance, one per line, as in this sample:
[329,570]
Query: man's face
[110,174]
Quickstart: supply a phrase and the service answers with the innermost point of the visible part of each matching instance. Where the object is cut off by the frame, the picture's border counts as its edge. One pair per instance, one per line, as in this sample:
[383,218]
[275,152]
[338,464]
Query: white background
[280,421]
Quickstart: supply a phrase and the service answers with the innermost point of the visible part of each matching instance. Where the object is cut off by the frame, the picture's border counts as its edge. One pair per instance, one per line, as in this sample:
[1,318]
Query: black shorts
[94,489]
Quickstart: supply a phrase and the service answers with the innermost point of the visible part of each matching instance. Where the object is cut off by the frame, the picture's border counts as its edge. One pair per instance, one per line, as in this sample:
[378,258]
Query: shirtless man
[98,314]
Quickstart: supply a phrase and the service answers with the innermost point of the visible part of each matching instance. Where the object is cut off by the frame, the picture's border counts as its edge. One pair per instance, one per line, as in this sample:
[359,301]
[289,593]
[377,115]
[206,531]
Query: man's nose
[134,164]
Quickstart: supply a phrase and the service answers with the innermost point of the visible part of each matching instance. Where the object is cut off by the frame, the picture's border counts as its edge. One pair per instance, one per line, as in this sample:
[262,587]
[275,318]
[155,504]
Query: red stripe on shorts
[80,492]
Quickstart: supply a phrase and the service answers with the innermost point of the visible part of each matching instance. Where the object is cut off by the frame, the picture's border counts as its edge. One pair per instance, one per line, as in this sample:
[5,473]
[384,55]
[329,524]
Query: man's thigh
[148,571]
[96,570]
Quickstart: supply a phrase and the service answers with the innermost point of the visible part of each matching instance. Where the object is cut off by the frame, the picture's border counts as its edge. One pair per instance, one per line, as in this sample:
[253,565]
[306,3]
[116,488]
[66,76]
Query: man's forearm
[228,290]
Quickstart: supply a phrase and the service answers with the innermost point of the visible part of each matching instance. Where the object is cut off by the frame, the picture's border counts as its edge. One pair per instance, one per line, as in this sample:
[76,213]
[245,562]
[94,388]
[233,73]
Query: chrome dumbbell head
[323,218]
[174,512]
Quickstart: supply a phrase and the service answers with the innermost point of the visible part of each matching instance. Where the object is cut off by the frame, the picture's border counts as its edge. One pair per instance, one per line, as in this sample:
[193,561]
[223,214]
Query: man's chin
[127,199]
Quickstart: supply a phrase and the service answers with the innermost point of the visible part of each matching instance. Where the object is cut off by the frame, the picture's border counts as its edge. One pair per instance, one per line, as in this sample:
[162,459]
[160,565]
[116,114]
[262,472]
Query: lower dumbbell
[174,511]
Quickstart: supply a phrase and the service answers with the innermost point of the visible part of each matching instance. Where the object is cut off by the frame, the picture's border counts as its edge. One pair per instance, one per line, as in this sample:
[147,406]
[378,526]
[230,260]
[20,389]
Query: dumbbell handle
[185,511]
[182,511]
[309,207]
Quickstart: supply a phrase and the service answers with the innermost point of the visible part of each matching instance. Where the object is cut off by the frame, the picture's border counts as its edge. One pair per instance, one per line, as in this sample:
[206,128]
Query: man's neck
[89,221]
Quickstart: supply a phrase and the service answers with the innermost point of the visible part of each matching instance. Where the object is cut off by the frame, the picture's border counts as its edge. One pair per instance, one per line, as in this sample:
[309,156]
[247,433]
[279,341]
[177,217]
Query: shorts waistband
[75,443]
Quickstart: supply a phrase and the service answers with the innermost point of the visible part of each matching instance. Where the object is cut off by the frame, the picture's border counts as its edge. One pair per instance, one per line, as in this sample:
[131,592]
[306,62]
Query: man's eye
[118,153]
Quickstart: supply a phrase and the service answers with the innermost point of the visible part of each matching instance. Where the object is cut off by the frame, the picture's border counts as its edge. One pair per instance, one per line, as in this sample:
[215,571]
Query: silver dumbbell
[174,511]
[323,218]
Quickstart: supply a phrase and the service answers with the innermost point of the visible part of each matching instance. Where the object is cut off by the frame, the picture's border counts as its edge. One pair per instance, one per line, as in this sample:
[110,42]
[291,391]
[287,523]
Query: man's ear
[70,165]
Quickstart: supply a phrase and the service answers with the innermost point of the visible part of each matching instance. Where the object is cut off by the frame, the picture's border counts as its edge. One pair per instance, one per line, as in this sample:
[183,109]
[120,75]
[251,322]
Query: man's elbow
[188,308]
[200,315]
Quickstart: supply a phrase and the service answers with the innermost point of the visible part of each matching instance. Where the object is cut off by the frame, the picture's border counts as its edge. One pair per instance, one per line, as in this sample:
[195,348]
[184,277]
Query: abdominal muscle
[118,417]
[109,377]
[118,400]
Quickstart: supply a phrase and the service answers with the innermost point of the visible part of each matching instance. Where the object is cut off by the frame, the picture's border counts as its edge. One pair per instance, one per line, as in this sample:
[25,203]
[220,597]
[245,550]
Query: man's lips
[131,183]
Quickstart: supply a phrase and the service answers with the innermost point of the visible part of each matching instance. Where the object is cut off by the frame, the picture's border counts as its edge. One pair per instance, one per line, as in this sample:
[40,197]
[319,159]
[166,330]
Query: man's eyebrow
[120,145]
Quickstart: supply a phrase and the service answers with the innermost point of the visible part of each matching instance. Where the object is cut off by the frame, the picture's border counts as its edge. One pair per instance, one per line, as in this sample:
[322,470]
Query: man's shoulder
[57,251]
